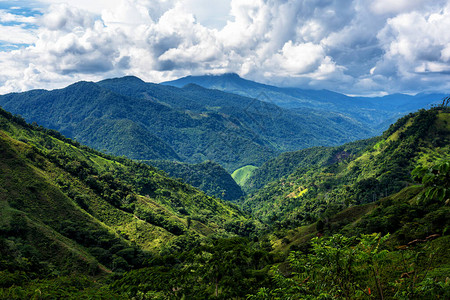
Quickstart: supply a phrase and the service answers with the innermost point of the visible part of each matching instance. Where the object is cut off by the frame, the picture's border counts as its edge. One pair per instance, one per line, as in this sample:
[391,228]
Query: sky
[358,47]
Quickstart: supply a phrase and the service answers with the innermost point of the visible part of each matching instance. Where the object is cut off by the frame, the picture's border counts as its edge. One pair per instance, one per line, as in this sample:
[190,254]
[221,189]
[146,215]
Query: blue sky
[357,47]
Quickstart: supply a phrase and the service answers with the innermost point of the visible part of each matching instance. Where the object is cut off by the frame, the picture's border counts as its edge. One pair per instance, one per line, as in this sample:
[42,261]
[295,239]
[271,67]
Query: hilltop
[376,113]
[145,121]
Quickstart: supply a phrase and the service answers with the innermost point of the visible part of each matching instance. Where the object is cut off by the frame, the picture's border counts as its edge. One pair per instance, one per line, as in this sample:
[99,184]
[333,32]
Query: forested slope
[127,116]
[376,113]
[98,212]
[76,223]
[208,176]
[348,175]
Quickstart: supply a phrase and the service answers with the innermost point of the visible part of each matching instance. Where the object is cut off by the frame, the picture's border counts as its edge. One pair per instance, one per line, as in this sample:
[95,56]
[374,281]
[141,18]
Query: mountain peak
[83,86]
[210,80]
[124,79]
[193,86]
[230,75]
[223,75]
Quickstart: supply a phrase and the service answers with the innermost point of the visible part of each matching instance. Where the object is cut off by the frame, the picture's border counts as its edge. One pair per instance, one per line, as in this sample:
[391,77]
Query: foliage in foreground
[54,193]
[342,267]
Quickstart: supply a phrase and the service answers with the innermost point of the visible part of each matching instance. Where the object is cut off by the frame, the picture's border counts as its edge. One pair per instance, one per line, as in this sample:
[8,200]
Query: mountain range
[79,223]
[126,116]
[376,113]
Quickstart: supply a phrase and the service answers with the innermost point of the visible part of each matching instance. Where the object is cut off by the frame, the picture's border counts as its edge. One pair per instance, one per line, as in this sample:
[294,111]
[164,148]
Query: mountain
[208,176]
[80,224]
[375,112]
[79,210]
[299,161]
[309,184]
[281,128]
[145,121]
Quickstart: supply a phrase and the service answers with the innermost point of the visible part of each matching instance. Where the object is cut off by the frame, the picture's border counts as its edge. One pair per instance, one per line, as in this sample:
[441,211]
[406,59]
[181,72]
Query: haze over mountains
[375,112]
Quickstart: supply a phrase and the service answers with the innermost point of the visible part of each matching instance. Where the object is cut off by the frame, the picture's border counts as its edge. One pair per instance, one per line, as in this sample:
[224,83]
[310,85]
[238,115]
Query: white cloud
[63,17]
[344,45]
[97,6]
[16,34]
[299,58]
[9,17]
[416,46]
[397,6]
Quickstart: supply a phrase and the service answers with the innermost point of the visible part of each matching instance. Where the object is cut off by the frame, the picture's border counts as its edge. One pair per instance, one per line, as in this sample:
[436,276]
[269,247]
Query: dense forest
[365,220]
[376,113]
[208,176]
[145,121]
[335,178]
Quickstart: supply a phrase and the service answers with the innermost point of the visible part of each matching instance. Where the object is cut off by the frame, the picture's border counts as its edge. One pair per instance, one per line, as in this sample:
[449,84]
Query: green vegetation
[339,267]
[366,220]
[144,121]
[300,161]
[208,176]
[376,113]
[242,175]
[352,174]
[67,210]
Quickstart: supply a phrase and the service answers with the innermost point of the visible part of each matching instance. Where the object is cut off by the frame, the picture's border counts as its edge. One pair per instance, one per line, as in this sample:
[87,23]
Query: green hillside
[393,247]
[68,209]
[344,176]
[366,220]
[300,161]
[208,176]
[145,121]
[242,175]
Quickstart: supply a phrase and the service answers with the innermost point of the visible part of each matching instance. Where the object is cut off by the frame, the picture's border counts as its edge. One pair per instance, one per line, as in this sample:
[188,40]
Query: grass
[44,190]
[241,175]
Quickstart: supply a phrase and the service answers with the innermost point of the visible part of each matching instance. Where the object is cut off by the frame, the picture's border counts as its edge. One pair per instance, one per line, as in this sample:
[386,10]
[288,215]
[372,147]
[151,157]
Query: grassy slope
[208,176]
[27,196]
[382,169]
[241,175]
[75,199]
[298,161]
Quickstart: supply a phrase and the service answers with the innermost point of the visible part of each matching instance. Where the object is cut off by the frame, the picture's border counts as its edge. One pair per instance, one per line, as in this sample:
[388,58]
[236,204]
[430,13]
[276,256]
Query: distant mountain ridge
[146,121]
[376,112]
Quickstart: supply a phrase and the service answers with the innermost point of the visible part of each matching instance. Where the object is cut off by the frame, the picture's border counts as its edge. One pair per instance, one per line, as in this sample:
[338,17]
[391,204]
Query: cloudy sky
[359,47]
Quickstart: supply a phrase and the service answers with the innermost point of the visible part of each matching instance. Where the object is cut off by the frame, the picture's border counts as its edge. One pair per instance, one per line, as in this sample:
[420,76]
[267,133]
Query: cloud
[398,6]
[16,34]
[6,17]
[64,18]
[346,45]
[415,48]
[299,58]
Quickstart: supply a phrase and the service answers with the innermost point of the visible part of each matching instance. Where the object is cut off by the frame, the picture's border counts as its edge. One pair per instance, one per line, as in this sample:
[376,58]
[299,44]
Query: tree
[436,181]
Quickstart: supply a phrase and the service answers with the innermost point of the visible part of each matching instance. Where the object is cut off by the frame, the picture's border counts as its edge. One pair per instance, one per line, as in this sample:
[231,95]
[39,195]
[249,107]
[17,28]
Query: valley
[226,150]
[207,201]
